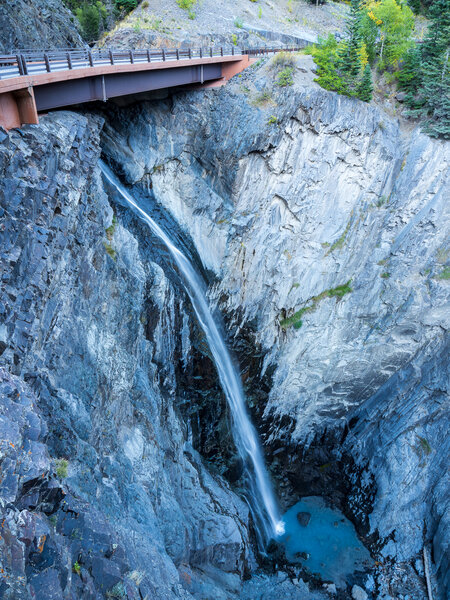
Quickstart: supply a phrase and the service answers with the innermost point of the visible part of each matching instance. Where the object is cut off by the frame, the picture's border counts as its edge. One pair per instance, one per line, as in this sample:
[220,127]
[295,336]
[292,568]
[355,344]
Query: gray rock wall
[89,329]
[284,210]
[37,25]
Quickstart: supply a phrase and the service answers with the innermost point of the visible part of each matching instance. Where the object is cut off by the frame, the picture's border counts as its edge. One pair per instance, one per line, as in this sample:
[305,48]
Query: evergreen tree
[437,40]
[350,55]
[436,89]
[410,77]
[415,6]
[426,74]
[365,88]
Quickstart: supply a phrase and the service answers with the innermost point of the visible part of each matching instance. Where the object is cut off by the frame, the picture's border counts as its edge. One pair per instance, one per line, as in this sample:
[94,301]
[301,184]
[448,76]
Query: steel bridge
[32,82]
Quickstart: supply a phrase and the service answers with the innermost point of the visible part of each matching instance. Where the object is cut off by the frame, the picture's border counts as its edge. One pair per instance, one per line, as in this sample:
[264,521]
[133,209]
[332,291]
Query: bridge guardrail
[25,62]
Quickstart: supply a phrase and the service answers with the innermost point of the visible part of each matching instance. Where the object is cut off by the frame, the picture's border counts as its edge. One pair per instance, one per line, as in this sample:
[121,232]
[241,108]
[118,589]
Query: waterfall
[261,498]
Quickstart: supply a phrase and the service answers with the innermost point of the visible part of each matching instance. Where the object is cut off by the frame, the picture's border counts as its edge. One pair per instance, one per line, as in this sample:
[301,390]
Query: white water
[264,506]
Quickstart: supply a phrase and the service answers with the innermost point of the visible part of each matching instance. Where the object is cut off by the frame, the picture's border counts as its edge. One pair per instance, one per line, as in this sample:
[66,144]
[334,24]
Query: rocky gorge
[320,225]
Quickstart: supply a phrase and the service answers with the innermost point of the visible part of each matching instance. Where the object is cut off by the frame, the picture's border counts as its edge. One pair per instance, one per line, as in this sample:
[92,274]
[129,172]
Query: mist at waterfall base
[260,494]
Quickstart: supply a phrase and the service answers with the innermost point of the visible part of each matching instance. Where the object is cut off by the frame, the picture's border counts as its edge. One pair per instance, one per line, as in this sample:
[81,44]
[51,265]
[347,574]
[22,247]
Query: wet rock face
[103,494]
[327,232]
[37,24]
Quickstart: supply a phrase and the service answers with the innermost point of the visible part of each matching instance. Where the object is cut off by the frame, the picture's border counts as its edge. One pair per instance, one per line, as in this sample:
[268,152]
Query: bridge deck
[37,81]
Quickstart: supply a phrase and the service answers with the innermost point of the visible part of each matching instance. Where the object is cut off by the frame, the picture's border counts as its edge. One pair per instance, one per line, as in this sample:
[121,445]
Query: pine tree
[350,56]
[425,74]
[415,6]
[436,89]
[365,88]
[437,40]
[410,76]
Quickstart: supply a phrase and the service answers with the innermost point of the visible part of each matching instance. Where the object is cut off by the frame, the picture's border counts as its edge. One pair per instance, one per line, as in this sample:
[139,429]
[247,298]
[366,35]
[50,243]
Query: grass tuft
[111,229]
[262,98]
[339,243]
[110,250]
[295,320]
[445,274]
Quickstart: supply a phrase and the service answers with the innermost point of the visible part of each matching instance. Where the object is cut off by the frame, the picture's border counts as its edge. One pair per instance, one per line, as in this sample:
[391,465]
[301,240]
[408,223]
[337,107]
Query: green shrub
[272,120]
[295,320]
[76,568]
[61,468]
[186,4]
[339,291]
[234,39]
[145,4]
[445,273]
[238,23]
[285,77]
[336,71]
[381,201]
[126,6]
[281,60]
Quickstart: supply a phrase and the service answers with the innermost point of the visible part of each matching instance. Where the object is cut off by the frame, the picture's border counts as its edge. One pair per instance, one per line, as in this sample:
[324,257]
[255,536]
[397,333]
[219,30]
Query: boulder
[358,593]
[303,518]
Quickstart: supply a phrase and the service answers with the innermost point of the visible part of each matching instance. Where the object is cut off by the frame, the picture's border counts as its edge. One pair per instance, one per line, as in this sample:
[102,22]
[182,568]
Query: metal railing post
[211,51]
[163,54]
[19,64]
[111,57]
[232,50]
[69,60]
[47,62]
[23,65]
[201,52]
[178,54]
[131,57]
[149,58]
[91,60]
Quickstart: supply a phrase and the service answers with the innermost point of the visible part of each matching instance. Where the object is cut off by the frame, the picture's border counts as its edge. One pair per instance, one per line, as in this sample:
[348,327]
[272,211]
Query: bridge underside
[103,87]
[19,106]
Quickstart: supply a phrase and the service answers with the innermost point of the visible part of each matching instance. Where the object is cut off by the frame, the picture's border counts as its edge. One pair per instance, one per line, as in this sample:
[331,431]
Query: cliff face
[324,230]
[302,199]
[37,24]
[100,491]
